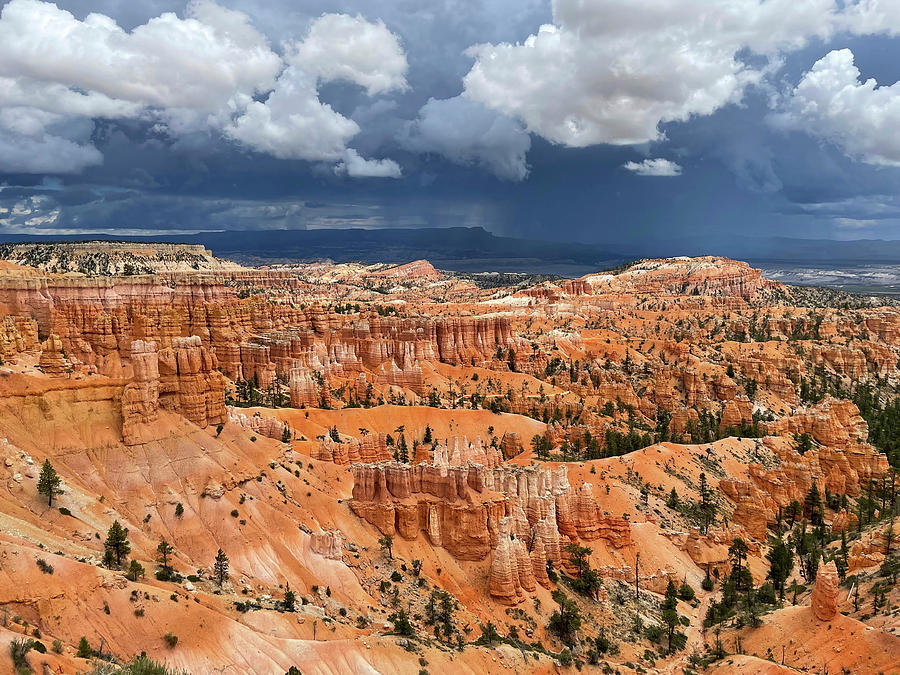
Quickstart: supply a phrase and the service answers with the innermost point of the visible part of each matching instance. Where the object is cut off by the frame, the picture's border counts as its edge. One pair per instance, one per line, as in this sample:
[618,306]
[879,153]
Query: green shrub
[686,593]
[84,649]
[18,650]
[171,639]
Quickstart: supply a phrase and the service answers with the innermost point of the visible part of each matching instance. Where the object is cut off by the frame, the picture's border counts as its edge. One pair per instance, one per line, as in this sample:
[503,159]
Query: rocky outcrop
[270,427]
[17,334]
[510,445]
[833,423]
[368,449]
[825,592]
[181,378]
[522,516]
[140,398]
[53,361]
[705,278]
[328,544]
[710,551]
[189,382]
[840,471]
[303,388]
[512,574]
[460,452]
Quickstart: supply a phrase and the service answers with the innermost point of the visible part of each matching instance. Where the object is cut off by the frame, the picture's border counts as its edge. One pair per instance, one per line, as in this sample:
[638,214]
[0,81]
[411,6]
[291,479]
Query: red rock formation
[264,426]
[370,449]
[17,334]
[140,398]
[833,423]
[461,507]
[189,382]
[825,592]
[510,445]
[511,569]
[328,544]
[304,390]
[181,378]
[841,471]
[53,361]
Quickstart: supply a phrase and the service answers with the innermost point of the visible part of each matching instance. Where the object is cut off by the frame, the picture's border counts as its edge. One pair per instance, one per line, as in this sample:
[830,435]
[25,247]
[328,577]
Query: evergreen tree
[387,544]
[164,550]
[740,575]
[707,505]
[116,545]
[565,621]
[135,570]
[781,562]
[489,634]
[812,505]
[49,483]
[84,649]
[673,502]
[220,567]
[428,435]
[670,611]
[289,598]
[402,626]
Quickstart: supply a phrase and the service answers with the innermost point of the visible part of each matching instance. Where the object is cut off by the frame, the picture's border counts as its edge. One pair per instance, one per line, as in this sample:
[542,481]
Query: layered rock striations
[521,517]
[181,378]
[825,592]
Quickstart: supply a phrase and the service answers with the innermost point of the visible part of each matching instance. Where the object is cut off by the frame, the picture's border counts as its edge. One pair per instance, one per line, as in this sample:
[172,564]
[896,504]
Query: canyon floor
[674,466]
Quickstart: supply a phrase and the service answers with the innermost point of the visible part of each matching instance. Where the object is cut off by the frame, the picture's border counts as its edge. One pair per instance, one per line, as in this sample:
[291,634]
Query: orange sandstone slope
[409,470]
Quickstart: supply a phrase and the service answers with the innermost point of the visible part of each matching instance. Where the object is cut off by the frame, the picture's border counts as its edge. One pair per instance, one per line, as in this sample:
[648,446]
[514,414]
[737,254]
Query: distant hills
[462,249]
[474,249]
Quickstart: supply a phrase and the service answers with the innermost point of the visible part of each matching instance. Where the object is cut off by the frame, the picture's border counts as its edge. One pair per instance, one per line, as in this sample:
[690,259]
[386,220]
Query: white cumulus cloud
[355,166]
[209,70]
[292,123]
[611,71]
[343,47]
[833,103]
[468,133]
[654,167]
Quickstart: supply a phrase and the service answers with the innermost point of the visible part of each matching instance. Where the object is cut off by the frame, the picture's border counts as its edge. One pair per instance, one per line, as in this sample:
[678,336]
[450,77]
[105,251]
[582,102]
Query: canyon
[409,470]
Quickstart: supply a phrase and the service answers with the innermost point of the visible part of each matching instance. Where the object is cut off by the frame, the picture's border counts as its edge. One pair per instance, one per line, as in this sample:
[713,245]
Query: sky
[602,121]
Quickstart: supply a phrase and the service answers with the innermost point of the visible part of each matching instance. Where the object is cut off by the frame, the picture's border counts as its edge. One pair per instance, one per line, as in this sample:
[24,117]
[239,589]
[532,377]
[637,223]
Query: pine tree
[673,501]
[84,649]
[49,482]
[781,562]
[135,570]
[707,505]
[289,598]
[164,550]
[116,543]
[286,434]
[387,544]
[670,611]
[220,567]
[812,505]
